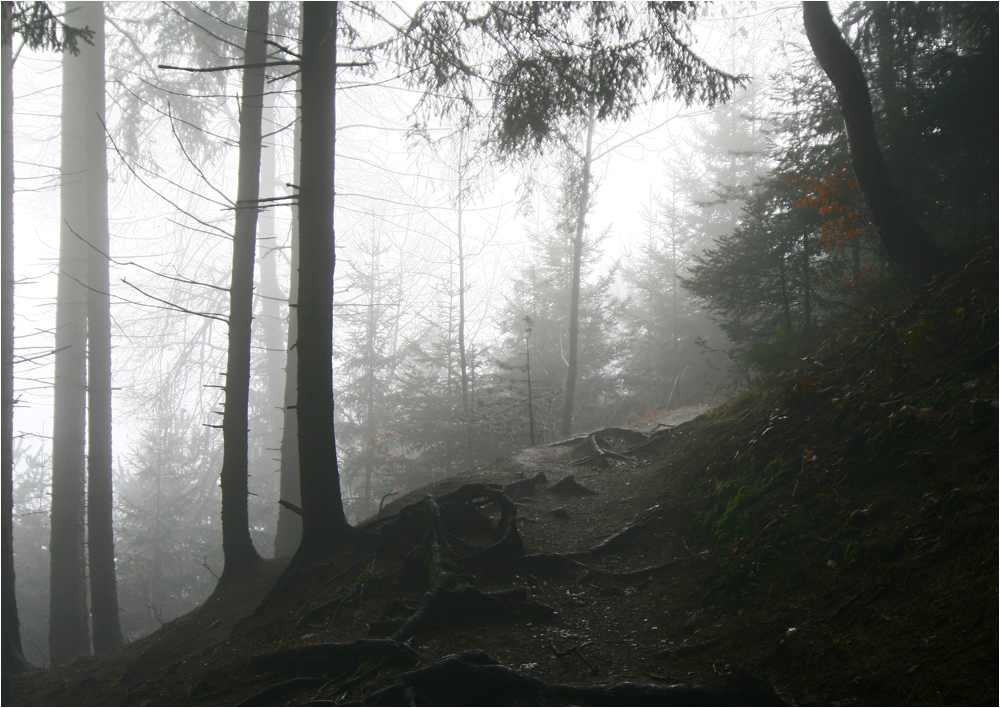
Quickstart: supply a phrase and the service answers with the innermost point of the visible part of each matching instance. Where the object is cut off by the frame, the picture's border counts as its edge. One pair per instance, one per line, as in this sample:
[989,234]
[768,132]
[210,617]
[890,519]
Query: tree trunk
[903,240]
[237,546]
[574,304]
[13,654]
[806,292]
[289,532]
[323,521]
[469,462]
[786,307]
[69,631]
[100,498]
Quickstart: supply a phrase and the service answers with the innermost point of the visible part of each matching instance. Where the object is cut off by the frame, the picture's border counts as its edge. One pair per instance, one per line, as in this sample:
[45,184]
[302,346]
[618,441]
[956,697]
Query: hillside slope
[828,537]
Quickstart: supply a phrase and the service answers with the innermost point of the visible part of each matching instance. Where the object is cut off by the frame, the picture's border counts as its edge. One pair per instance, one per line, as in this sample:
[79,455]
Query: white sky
[140,225]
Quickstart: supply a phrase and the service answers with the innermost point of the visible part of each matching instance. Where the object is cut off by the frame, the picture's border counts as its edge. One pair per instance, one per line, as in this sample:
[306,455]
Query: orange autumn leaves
[836,196]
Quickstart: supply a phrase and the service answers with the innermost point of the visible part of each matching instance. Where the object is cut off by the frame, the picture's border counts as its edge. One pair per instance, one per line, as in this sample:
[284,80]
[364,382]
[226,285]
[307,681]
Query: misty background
[444,255]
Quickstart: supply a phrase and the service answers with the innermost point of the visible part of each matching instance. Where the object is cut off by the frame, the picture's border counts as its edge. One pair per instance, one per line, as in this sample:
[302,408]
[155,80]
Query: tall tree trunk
[100,499]
[806,292]
[289,532]
[69,630]
[574,304]
[469,462]
[270,296]
[786,305]
[527,368]
[237,546]
[13,654]
[904,241]
[323,521]
[370,368]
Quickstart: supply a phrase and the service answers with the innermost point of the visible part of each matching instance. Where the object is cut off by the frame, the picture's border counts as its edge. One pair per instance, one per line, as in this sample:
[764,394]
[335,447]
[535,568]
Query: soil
[828,537]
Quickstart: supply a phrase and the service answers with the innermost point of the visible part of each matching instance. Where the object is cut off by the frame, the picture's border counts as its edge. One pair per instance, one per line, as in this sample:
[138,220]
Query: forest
[355,351]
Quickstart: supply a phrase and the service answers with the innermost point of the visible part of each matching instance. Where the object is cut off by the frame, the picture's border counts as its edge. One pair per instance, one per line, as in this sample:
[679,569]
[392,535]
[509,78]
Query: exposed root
[569,485]
[654,441]
[281,692]
[525,487]
[598,450]
[476,678]
[613,543]
[628,574]
[348,595]
[336,658]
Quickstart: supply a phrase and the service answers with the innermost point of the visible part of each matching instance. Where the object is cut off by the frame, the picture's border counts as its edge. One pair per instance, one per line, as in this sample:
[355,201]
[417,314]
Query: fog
[454,269]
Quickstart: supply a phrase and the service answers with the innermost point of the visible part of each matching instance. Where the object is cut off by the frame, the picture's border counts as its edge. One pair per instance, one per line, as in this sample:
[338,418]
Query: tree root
[628,574]
[442,605]
[599,451]
[336,658]
[569,485]
[654,440]
[525,487]
[354,594]
[613,543]
[475,678]
[280,692]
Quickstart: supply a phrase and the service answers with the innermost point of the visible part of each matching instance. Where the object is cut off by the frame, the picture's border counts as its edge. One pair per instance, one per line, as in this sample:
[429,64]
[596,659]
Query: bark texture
[903,239]
[69,630]
[237,546]
[323,519]
[574,304]
[13,654]
[289,532]
[100,502]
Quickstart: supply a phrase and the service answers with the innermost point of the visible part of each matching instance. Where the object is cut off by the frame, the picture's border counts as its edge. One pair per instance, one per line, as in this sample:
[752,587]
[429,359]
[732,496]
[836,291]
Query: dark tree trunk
[904,241]
[13,654]
[806,292]
[100,502]
[289,532]
[323,521]
[237,546]
[69,630]
[574,303]
[786,306]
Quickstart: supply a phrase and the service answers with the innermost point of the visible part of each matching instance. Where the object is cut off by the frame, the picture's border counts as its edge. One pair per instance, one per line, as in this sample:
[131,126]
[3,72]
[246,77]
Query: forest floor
[828,537]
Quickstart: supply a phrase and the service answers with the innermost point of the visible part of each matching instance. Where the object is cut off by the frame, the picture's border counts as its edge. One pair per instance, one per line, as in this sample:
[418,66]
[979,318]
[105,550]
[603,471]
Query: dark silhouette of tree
[937,130]
[13,654]
[106,626]
[904,240]
[69,630]
[237,545]
[289,527]
[323,521]
[39,28]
